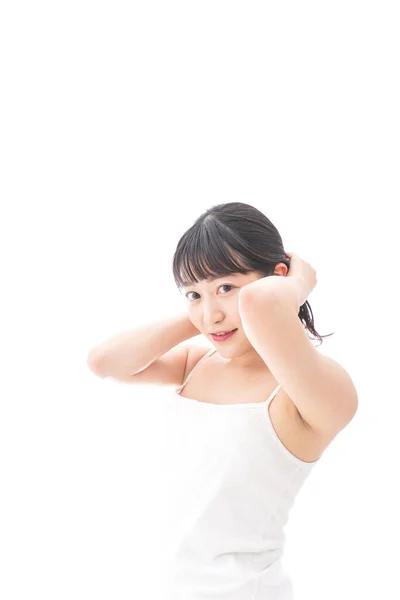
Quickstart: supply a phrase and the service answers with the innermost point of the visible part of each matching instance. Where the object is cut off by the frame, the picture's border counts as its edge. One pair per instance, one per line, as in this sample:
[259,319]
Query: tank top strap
[272,396]
[203,358]
[188,376]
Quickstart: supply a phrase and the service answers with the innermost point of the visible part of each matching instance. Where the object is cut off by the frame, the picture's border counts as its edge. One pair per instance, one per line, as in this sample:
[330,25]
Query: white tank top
[228,486]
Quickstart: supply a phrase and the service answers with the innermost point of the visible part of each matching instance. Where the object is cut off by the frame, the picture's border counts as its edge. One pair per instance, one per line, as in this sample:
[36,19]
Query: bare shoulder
[194,354]
[340,372]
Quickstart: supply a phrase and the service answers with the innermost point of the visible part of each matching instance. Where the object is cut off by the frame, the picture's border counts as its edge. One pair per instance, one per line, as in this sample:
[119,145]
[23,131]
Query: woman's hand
[303,274]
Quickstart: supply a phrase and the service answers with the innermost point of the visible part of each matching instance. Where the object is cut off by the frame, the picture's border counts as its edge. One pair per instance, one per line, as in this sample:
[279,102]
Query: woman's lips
[222,338]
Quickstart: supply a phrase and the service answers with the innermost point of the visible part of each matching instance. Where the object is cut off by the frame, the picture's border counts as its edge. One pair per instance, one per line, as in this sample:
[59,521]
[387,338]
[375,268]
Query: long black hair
[233,238]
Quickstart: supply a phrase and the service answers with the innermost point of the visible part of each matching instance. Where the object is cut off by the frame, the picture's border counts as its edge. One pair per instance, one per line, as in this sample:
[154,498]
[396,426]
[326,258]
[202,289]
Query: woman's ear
[281,270]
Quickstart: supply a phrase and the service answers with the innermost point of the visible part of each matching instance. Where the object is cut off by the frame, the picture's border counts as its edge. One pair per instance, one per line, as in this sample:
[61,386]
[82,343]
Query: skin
[213,307]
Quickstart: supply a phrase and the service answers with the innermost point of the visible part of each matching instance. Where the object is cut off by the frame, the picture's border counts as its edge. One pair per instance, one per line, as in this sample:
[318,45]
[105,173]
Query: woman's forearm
[129,352]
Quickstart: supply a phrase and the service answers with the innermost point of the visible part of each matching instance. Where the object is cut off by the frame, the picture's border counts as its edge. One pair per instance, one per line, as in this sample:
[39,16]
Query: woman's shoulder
[194,355]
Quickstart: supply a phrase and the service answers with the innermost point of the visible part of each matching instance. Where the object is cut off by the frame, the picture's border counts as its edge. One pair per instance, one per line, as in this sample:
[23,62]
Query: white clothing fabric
[229,485]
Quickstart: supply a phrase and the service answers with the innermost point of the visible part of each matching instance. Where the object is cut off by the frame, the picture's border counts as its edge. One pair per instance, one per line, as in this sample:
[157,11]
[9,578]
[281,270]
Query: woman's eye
[226,285]
[222,286]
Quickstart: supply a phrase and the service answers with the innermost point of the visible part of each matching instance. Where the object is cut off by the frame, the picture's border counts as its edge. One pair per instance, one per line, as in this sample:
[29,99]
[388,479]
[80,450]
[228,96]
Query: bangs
[202,256]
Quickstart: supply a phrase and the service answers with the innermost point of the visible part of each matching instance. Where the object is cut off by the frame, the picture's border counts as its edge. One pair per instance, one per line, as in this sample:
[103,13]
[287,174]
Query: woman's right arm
[129,353]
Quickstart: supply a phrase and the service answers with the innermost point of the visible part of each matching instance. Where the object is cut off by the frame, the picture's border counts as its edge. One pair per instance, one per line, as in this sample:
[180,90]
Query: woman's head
[237,244]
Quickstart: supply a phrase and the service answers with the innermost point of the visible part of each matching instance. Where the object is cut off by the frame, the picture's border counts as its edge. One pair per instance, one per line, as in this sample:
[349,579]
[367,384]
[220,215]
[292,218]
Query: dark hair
[233,238]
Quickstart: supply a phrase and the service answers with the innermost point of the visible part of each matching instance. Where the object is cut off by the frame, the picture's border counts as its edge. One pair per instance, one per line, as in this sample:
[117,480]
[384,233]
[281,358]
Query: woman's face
[213,306]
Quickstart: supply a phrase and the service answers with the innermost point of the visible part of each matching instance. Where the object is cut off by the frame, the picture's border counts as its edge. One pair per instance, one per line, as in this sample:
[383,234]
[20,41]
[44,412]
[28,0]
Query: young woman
[249,417]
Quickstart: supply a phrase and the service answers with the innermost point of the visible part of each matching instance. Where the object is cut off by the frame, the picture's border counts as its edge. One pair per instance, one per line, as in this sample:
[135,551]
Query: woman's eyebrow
[189,283]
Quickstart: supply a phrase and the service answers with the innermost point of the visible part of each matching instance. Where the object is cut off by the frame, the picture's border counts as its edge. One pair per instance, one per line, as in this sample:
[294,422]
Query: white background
[120,123]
